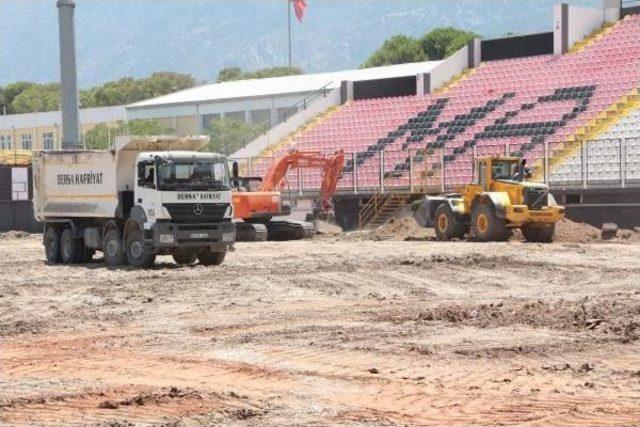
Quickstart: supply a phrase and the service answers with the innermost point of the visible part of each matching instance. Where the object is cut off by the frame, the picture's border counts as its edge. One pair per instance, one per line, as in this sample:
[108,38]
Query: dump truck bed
[71,185]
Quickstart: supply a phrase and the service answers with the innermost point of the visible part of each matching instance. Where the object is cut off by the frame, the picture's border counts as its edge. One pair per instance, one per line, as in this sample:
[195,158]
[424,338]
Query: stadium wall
[447,69]
[633,10]
[16,214]
[275,134]
[572,24]
[384,88]
[517,46]
[582,22]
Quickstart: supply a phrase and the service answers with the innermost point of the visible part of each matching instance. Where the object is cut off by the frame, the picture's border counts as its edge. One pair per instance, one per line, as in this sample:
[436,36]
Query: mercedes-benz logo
[198,209]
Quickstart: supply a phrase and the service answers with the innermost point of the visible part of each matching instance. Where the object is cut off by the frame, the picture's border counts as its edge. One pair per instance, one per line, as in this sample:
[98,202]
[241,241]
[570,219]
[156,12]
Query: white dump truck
[148,196]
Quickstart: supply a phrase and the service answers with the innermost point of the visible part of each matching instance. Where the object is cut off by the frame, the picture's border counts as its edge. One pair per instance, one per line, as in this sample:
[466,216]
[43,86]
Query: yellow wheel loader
[499,200]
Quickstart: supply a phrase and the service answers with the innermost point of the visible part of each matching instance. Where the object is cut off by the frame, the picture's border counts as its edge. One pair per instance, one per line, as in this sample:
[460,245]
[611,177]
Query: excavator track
[290,230]
[248,232]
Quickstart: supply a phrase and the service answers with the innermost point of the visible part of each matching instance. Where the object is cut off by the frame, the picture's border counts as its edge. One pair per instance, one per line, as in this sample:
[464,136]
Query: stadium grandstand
[572,110]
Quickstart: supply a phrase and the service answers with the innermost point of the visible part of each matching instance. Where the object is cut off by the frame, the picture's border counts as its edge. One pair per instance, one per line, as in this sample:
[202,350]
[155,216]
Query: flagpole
[289,23]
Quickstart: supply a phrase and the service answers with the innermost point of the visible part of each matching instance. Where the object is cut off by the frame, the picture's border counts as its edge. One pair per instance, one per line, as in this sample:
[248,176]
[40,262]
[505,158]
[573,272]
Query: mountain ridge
[117,38]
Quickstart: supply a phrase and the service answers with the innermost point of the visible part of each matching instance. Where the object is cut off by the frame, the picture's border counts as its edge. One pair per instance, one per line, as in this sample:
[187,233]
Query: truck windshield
[198,175]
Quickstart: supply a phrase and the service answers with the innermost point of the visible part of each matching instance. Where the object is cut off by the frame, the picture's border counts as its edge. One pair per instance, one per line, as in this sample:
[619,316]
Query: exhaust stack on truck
[148,196]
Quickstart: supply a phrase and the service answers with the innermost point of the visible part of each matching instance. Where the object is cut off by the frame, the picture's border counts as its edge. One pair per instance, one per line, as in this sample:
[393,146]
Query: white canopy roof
[283,85]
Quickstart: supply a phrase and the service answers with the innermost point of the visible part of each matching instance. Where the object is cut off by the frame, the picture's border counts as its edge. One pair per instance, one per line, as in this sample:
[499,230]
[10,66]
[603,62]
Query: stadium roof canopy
[283,85]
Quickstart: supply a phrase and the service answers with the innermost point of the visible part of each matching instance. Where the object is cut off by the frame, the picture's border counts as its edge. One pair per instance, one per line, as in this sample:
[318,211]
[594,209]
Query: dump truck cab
[500,199]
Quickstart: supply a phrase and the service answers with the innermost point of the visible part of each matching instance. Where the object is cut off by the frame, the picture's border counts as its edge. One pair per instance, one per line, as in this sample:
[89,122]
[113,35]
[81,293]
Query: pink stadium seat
[512,105]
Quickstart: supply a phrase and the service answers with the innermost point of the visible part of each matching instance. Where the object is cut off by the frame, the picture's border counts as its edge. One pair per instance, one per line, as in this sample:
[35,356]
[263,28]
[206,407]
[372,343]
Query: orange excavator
[258,200]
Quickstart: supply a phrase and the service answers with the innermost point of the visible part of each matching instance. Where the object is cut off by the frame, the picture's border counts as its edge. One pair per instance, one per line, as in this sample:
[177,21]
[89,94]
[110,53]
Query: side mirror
[235,175]
[235,170]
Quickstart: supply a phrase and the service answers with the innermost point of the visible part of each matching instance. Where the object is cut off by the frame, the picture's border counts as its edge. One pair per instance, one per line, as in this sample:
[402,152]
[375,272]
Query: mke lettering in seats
[198,196]
[88,178]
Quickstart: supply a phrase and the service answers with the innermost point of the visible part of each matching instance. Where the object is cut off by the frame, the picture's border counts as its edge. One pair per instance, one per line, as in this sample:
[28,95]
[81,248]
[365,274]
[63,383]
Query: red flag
[301,7]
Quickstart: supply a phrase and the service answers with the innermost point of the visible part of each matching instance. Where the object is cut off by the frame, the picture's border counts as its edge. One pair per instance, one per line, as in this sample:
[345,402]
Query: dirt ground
[348,330]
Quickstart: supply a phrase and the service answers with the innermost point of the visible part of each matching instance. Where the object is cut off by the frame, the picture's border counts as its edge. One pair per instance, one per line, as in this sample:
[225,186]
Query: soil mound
[405,228]
[576,232]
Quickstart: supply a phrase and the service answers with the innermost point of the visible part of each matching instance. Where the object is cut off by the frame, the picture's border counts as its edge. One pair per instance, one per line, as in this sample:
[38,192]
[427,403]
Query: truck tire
[52,245]
[185,257]
[446,225]
[538,233]
[137,254]
[487,227]
[113,248]
[71,249]
[208,258]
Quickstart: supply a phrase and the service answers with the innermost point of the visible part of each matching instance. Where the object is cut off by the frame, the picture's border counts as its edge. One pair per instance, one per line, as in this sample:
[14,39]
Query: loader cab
[492,169]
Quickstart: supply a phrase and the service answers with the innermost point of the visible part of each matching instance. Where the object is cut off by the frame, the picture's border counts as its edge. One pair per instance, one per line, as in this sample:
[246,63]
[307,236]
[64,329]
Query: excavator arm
[331,168]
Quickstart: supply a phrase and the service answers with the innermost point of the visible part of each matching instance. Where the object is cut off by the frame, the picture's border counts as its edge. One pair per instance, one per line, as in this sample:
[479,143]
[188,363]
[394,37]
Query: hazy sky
[136,37]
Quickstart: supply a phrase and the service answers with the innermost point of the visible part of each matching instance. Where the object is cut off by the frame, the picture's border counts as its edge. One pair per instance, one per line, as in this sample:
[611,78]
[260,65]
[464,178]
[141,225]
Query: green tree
[27,97]
[440,43]
[128,90]
[37,97]
[9,93]
[228,136]
[235,73]
[396,50]
[102,136]
[229,74]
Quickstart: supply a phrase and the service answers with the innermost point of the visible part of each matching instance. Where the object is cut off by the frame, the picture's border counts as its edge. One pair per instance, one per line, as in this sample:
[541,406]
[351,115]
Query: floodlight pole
[289,24]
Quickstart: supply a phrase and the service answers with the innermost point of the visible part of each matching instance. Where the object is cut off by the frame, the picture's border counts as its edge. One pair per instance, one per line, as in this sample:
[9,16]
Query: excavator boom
[331,169]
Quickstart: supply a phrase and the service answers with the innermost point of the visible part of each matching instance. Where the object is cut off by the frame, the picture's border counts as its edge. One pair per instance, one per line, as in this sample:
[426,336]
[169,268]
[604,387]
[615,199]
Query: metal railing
[303,103]
[600,163]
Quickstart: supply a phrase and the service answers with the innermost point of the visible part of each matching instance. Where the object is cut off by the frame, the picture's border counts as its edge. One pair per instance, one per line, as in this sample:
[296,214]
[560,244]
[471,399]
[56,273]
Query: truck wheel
[137,254]
[71,248]
[209,258]
[446,225]
[539,233]
[185,257]
[113,248]
[52,245]
[487,227]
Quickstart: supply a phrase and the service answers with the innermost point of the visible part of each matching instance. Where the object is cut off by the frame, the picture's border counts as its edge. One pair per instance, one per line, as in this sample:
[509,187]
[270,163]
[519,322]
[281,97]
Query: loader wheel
[72,249]
[487,227]
[137,254]
[52,245]
[185,257]
[538,233]
[447,227]
[113,248]
[208,258]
